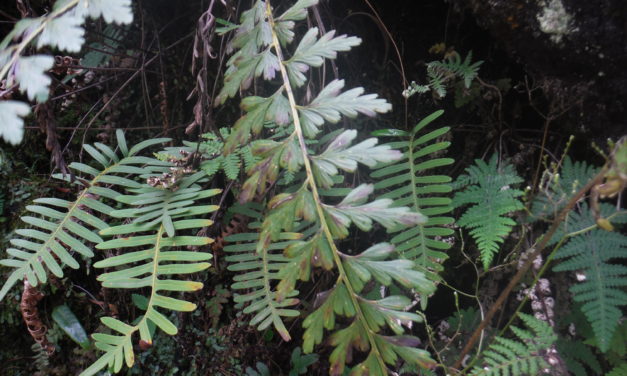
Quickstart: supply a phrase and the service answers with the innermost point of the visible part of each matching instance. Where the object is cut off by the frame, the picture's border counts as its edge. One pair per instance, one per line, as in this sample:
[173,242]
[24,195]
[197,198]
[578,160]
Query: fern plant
[524,356]
[148,229]
[408,182]
[596,255]
[297,212]
[488,188]
[63,225]
[440,73]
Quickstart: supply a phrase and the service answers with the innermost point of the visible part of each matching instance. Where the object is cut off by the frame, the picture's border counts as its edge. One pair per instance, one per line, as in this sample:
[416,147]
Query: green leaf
[67,321]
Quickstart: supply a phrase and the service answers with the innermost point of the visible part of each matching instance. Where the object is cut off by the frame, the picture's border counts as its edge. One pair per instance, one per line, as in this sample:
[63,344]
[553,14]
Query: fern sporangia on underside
[524,356]
[598,258]
[488,188]
[63,224]
[408,182]
[371,327]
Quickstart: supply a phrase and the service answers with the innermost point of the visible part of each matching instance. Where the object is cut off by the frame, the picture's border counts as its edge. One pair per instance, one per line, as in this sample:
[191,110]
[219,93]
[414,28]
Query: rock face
[577,47]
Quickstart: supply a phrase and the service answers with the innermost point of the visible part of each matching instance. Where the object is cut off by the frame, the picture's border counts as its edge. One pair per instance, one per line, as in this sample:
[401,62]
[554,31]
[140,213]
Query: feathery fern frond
[453,64]
[65,225]
[488,187]
[619,370]
[158,217]
[557,188]
[409,183]
[518,357]
[596,255]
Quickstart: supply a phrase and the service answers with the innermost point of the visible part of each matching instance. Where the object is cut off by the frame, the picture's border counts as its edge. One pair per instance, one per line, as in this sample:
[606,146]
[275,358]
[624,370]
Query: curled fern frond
[408,182]
[63,227]
[518,357]
[488,188]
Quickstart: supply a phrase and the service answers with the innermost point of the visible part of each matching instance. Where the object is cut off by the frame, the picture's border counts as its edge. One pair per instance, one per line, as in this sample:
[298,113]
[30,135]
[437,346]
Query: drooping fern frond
[63,227]
[300,168]
[523,356]
[596,255]
[409,183]
[488,188]
[158,218]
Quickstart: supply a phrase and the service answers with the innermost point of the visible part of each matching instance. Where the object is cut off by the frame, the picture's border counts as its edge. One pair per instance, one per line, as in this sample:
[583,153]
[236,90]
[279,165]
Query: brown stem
[521,272]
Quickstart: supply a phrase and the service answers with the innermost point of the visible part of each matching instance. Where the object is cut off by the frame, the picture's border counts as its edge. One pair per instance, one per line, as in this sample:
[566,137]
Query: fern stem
[298,131]
[521,272]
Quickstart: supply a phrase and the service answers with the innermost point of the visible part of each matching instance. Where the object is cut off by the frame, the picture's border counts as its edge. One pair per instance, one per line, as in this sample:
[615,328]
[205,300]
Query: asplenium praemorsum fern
[260,44]
[489,188]
[518,357]
[598,256]
[147,231]
[408,182]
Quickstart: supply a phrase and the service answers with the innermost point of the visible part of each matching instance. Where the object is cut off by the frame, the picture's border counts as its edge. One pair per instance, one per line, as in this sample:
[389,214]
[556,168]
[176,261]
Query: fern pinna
[408,183]
[294,154]
[488,187]
[596,255]
[524,356]
[72,224]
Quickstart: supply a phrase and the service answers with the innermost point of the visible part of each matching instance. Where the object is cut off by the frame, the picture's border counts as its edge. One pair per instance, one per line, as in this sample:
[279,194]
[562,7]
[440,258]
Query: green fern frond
[408,183]
[259,273]
[466,69]
[576,355]
[63,227]
[518,357]
[596,255]
[488,187]
[619,370]
[557,188]
[159,216]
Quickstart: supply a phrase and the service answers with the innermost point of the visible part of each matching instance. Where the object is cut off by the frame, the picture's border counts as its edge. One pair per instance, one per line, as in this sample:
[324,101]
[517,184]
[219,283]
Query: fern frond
[259,273]
[63,227]
[466,69]
[576,354]
[518,357]
[488,187]
[557,188]
[158,218]
[408,183]
[293,154]
[619,370]
[597,255]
